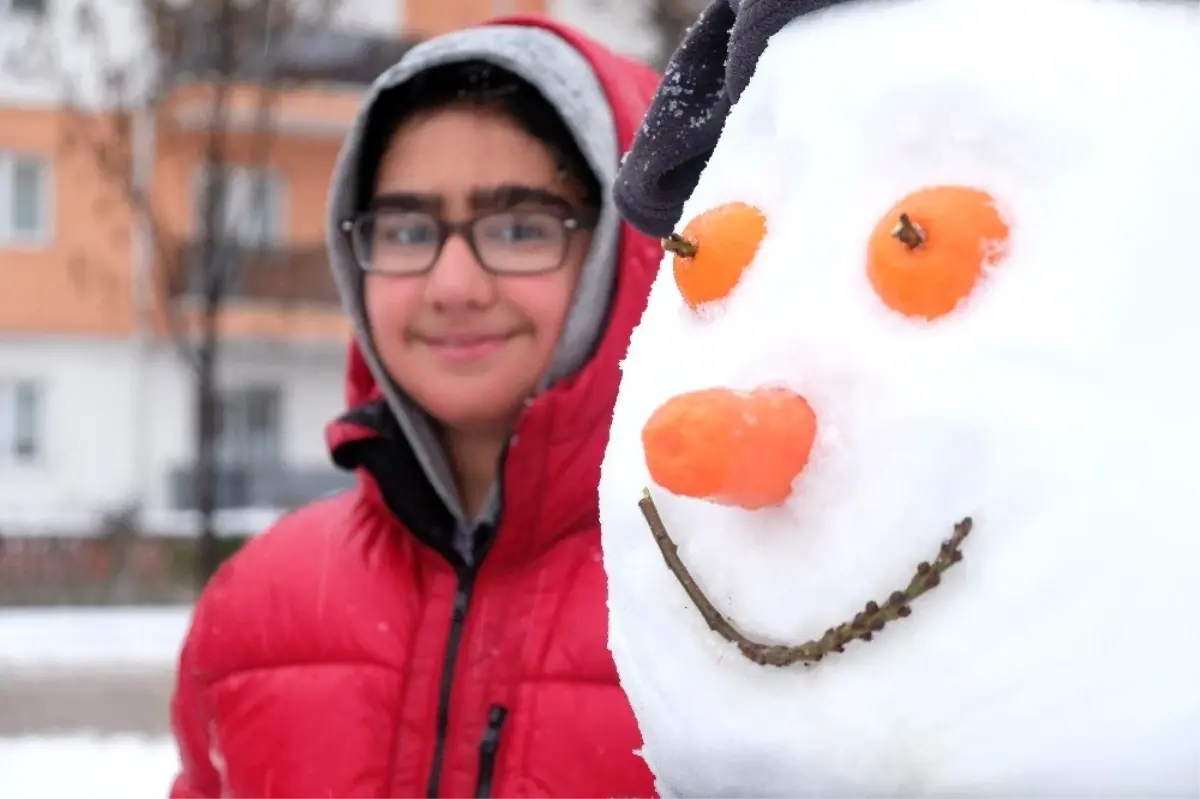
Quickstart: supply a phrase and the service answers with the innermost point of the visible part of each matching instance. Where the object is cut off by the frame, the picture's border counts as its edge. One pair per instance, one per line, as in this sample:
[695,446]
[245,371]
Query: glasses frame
[464,229]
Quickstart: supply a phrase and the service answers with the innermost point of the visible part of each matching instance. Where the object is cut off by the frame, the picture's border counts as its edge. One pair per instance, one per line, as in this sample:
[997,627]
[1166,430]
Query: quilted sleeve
[198,777]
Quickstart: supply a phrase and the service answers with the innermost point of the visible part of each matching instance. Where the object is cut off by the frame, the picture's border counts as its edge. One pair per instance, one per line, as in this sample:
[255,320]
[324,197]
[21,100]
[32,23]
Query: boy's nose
[733,448]
[457,278]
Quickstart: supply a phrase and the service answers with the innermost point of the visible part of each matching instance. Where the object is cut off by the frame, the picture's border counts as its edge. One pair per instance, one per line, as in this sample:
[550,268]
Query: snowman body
[1057,406]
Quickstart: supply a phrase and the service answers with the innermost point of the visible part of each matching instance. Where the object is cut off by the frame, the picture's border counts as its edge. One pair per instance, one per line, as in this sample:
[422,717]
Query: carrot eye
[714,250]
[930,250]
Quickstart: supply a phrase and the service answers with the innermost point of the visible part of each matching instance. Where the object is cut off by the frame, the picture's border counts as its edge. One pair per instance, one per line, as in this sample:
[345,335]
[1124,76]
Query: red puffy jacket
[340,654]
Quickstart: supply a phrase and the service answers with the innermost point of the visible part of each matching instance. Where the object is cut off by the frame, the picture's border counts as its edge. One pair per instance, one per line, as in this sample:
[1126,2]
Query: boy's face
[467,344]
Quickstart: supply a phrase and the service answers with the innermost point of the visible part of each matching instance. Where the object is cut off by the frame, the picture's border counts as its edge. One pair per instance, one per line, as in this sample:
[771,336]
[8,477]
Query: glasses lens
[521,241]
[396,241]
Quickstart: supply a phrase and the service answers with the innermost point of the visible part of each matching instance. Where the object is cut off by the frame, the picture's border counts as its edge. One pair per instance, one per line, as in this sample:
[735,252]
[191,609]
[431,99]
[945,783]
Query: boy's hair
[473,82]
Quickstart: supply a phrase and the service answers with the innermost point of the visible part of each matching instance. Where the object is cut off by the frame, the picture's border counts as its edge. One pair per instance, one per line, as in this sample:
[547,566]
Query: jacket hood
[601,97]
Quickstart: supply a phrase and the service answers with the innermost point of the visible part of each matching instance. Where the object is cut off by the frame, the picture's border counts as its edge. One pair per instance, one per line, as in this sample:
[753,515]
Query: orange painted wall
[80,282]
[306,163]
[302,107]
[432,17]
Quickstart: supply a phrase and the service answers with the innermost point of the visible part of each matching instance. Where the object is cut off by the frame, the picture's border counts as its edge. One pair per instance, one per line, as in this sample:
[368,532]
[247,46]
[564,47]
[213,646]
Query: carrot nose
[732,448]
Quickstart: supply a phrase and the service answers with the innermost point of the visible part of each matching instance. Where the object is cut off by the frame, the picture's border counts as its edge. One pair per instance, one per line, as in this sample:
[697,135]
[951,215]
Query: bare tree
[233,59]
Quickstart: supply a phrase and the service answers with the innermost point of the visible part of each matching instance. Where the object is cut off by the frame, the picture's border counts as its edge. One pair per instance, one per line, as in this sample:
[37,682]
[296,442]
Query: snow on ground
[91,637]
[61,767]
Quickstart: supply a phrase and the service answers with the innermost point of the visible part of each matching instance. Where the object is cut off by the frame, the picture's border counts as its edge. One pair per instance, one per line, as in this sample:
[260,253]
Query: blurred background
[171,345]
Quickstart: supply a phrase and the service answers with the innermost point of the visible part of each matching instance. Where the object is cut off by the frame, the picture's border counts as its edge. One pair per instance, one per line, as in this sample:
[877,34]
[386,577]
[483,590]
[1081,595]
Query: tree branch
[218,47]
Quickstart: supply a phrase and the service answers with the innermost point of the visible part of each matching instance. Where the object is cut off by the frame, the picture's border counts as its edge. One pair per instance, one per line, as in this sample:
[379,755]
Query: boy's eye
[406,231]
[520,228]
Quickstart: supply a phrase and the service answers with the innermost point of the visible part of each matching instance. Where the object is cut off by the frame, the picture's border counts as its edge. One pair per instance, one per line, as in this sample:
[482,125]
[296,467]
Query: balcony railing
[275,49]
[238,488]
[274,275]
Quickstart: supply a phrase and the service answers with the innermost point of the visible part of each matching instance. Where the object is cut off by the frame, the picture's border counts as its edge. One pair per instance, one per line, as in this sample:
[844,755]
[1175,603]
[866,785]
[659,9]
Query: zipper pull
[488,747]
[460,605]
[491,736]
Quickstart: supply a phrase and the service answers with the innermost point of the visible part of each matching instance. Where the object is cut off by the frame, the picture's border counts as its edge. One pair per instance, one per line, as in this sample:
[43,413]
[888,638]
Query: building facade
[98,310]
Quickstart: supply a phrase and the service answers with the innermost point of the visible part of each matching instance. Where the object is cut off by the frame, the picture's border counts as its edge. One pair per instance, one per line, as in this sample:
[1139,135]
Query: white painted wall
[61,57]
[370,16]
[92,420]
[44,62]
[88,427]
[623,25]
[311,379]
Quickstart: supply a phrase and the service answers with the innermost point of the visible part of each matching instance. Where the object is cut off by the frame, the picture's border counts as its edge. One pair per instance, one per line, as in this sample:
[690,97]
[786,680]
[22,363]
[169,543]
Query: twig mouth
[863,627]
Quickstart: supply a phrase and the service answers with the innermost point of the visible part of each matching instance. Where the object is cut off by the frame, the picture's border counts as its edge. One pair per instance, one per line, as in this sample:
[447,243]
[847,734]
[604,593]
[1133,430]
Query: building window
[249,427]
[21,408]
[24,198]
[252,212]
[33,9]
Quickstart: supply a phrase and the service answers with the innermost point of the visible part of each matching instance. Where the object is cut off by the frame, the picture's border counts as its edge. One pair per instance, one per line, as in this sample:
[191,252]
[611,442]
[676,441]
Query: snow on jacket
[350,651]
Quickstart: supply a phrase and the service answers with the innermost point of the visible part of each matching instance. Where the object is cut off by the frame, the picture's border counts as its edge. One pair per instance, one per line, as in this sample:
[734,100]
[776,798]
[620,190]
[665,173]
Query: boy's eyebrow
[409,201]
[511,195]
[481,201]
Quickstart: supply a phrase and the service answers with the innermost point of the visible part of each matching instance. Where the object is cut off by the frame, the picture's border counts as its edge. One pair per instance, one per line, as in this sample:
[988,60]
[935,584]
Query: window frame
[244,451]
[11,434]
[10,238]
[9,8]
[276,199]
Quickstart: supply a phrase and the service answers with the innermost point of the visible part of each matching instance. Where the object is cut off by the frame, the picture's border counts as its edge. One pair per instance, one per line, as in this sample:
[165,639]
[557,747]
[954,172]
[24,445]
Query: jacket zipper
[488,747]
[464,573]
[462,599]
[458,617]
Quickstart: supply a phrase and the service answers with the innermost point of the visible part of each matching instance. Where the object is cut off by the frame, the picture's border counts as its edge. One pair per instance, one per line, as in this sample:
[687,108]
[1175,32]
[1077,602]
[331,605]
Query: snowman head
[942,264]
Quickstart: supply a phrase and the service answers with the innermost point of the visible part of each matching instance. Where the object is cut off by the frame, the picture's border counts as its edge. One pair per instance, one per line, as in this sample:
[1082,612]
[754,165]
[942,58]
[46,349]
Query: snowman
[901,492]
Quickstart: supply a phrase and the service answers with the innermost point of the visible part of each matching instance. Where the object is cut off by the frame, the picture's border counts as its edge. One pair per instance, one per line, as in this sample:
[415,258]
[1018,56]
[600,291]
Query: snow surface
[64,767]
[1057,407]
[92,638]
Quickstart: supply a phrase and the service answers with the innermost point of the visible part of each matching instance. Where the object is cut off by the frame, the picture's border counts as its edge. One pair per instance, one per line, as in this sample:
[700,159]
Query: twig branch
[678,245]
[862,627]
[908,232]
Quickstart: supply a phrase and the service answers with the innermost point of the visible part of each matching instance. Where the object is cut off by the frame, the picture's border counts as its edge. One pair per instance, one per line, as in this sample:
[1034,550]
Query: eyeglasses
[515,242]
